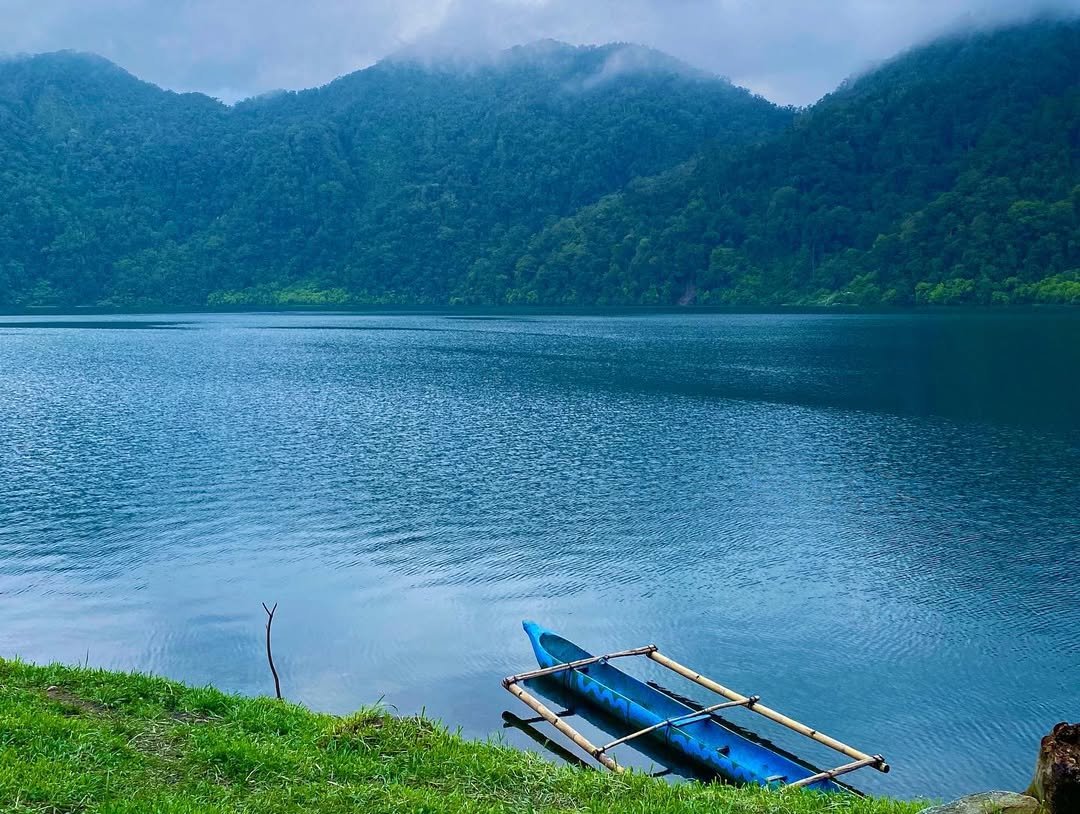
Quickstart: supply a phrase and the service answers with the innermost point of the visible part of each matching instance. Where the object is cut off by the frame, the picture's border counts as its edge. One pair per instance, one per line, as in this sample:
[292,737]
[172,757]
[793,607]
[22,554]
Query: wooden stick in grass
[269,654]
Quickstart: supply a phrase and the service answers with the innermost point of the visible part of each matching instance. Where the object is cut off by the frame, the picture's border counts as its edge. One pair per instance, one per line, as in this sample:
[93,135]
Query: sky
[790,51]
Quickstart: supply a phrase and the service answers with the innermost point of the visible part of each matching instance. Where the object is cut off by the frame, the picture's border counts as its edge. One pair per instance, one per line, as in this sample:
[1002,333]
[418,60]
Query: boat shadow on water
[646,754]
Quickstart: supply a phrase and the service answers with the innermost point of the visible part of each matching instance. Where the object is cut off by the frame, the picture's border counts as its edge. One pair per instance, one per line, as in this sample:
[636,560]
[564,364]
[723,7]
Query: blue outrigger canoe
[698,736]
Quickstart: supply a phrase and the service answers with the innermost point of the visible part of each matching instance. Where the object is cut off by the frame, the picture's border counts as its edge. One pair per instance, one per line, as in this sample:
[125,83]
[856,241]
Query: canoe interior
[705,740]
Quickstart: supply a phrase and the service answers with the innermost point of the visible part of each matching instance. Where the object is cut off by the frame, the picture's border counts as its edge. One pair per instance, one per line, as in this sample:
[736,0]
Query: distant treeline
[551,175]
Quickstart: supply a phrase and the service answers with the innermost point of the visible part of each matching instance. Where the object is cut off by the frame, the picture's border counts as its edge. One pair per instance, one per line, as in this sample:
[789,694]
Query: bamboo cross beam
[573,665]
[707,712]
[877,761]
[563,726]
[873,760]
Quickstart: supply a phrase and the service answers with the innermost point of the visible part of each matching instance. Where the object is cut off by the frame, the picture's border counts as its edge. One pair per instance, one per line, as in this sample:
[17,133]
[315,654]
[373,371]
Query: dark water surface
[872,521]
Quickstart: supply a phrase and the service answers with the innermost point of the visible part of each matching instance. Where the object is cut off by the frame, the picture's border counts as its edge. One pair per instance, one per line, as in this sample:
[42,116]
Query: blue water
[872,521]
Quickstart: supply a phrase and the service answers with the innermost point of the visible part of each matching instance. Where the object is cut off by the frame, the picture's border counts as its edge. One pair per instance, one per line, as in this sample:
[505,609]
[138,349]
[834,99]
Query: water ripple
[806,507]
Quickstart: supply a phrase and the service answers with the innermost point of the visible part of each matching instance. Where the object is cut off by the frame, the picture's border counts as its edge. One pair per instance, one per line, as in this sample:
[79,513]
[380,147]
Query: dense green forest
[949,175]
[553,175]
[393,184]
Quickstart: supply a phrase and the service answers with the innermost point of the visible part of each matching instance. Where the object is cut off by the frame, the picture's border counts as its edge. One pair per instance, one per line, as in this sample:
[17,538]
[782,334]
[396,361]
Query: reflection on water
[871,521]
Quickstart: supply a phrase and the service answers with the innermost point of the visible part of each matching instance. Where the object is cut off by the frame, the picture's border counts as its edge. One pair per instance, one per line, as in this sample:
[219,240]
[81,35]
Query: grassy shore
[74,740]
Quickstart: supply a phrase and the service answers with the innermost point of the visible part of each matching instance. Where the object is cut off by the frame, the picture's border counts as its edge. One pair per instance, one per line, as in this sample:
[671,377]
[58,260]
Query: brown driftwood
[1057,772]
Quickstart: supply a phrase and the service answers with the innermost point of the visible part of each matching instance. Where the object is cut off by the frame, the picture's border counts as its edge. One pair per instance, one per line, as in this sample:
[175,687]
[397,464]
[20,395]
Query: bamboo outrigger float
[697,733]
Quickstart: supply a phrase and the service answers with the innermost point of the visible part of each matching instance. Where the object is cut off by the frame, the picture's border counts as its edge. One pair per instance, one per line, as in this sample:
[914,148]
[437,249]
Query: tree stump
[1057,772]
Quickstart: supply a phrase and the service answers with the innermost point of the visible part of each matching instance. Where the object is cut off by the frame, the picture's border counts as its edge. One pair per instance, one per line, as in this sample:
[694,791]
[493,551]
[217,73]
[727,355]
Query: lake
[872,521]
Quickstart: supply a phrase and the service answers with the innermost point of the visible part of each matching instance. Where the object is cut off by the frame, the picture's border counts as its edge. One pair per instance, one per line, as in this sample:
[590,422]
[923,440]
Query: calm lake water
[872,521]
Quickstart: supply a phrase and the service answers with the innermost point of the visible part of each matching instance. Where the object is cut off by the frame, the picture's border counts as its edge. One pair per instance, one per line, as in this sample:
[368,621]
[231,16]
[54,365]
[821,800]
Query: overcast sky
[791,51]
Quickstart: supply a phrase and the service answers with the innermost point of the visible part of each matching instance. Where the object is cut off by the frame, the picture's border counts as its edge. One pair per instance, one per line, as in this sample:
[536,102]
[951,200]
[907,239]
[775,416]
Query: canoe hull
[702,740]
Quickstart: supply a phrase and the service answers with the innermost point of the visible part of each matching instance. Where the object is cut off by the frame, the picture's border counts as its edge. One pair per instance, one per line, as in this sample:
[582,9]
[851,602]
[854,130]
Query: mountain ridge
[544,52]
[524,181]
[799,218]
[389,183]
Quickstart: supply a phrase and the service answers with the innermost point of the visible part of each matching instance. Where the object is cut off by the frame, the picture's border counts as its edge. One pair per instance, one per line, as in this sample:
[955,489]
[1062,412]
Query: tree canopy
[949,175]
[550,174]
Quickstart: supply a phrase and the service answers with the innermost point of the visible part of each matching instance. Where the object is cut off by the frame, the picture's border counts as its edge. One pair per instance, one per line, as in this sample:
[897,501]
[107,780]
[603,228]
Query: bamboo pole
[573,665]
[877,761]
[566,713]
[839,770]
[562,726]
[706,711]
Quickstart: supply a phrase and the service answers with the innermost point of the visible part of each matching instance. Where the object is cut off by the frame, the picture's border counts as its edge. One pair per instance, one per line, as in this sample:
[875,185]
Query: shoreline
[516,311]
[89,740]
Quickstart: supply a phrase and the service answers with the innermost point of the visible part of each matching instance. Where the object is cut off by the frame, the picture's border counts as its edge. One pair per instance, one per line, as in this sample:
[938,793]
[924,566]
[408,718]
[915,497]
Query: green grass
[75,740]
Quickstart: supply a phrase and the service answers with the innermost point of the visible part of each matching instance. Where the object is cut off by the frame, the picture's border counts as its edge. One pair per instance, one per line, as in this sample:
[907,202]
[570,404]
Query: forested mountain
[551,174]
[949,175]
[397,183]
